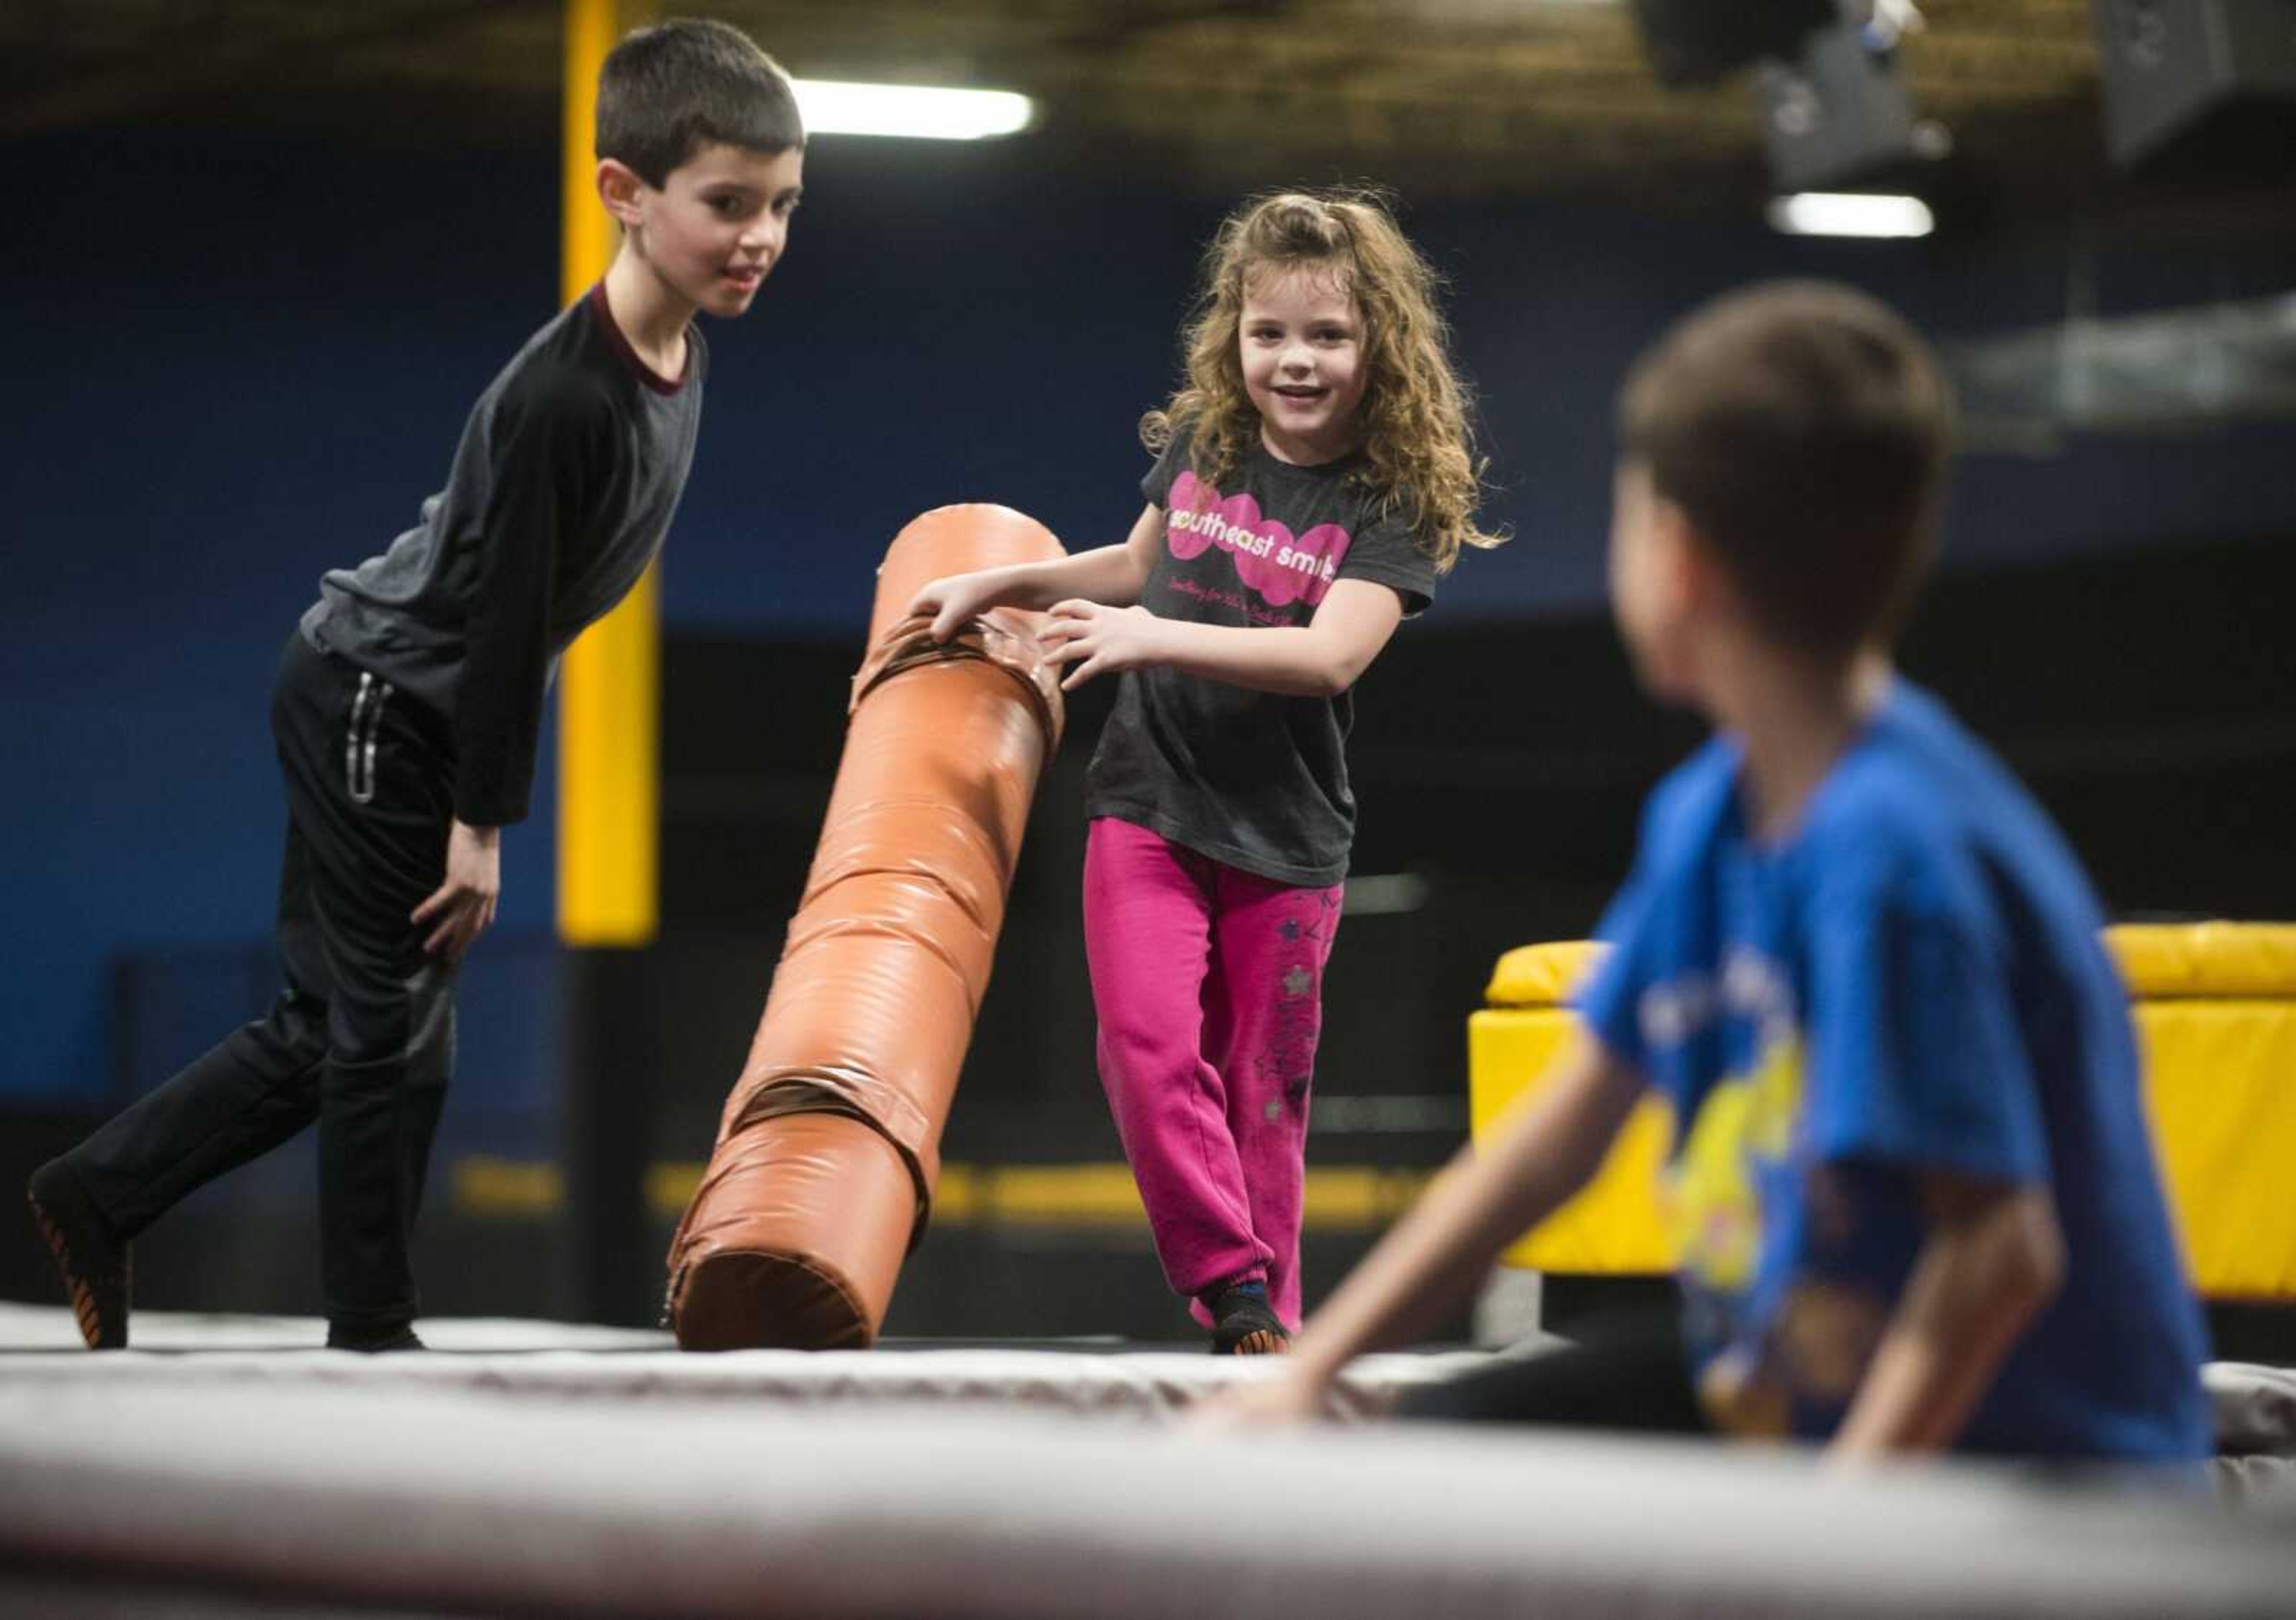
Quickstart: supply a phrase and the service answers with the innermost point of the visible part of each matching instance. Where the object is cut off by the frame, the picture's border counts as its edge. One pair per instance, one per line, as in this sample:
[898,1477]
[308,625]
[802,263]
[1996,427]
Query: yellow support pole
[608,684]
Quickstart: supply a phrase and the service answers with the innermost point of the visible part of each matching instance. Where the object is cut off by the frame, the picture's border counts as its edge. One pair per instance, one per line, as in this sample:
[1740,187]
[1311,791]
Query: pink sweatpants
[1209,986]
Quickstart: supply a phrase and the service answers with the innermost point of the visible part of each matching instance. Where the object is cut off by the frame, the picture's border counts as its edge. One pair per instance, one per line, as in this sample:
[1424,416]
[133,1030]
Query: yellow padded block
[2221,1090]
[1541,975]
[2214,961]
[2216,1018]
[1613,1223]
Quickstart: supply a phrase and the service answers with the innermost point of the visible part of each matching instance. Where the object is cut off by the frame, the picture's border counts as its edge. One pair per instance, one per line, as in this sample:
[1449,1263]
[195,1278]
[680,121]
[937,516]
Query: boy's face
[1303,361]
[1650,588]
[719,223]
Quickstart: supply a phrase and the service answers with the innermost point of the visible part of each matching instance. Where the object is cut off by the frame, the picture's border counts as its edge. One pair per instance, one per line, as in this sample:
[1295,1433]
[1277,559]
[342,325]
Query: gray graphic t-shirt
[1254,780]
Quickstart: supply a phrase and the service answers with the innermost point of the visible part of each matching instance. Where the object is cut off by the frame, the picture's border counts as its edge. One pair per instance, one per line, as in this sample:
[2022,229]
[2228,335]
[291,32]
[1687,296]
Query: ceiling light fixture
[917,111]
[1850,214]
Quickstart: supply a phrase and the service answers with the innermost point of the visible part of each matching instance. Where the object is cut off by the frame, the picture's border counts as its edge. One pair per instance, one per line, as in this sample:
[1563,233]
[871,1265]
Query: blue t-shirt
[1913,979]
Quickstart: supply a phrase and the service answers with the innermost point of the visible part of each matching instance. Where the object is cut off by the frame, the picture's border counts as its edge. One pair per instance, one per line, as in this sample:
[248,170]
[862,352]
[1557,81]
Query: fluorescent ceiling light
[1850,214]
[834,107]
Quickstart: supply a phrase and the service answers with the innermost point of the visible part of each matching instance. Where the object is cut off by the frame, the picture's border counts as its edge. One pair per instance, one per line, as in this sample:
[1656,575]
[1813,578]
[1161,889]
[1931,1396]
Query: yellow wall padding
[2216,1016]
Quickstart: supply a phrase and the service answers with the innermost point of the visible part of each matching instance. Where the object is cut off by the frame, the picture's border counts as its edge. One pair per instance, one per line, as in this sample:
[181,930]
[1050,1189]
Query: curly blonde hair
[1418,448]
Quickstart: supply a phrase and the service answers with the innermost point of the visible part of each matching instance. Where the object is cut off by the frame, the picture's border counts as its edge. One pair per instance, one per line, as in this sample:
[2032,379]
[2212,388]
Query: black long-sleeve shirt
[561,490]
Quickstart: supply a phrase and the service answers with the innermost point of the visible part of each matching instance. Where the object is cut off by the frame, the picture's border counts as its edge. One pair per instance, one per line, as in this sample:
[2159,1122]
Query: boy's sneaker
[1243,1323]
[374,1341]
[95,1265]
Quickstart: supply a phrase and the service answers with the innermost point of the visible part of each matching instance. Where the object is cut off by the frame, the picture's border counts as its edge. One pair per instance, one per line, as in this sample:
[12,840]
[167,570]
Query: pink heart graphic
[1279,566]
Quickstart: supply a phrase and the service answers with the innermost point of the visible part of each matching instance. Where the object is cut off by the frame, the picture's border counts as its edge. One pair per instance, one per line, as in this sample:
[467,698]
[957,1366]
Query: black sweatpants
[362,1037]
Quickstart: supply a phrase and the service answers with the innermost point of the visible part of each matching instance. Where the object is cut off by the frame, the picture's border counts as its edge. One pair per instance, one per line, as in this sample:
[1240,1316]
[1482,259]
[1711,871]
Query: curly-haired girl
[1314,478]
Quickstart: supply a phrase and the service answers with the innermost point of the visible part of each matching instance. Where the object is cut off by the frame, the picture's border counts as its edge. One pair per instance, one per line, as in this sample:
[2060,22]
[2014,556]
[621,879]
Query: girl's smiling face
[1303,360]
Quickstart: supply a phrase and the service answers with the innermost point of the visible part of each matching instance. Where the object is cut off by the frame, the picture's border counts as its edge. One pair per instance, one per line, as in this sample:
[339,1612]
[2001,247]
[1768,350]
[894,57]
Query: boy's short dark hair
[1804,428]
[666,90]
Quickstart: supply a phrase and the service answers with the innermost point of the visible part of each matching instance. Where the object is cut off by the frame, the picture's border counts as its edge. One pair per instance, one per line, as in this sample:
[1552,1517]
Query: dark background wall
[237,362]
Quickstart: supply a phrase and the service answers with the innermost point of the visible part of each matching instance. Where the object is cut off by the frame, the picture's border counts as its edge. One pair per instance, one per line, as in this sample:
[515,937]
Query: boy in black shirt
[410,698]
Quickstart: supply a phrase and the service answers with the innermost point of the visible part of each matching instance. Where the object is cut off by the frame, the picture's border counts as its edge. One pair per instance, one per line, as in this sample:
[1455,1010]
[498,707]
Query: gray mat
[456,1499]
[542,1469]
[565,1360]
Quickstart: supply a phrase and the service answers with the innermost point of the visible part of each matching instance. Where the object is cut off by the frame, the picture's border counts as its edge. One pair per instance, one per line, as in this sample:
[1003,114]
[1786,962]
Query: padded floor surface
[227,1467]
[1096,1375]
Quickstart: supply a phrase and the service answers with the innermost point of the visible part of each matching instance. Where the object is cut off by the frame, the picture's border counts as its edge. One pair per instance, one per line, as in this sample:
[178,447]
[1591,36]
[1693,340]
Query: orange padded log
[828,1151]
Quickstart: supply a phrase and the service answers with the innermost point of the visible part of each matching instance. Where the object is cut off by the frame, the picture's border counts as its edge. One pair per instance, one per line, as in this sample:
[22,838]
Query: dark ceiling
[1494,97]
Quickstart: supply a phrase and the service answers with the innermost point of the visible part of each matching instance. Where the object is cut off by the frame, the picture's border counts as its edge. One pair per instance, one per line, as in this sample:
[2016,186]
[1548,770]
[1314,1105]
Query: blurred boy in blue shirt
[1912,1185]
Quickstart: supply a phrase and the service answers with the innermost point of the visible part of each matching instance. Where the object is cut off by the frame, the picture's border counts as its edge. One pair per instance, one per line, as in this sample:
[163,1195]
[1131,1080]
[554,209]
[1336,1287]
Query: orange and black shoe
[95,1265]
[1243,1323]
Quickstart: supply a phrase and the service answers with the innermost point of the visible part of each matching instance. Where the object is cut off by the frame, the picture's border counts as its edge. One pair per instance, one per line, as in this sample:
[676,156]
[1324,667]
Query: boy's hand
[953,602]
[1099,640]
[463,906]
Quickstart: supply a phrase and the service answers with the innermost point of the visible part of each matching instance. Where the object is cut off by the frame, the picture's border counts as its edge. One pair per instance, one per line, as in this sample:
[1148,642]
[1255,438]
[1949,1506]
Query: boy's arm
[544,453]
[508,629]
[1993,1257]
[538,489]
[1318,660]
[1112,574]
[1435,1256]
